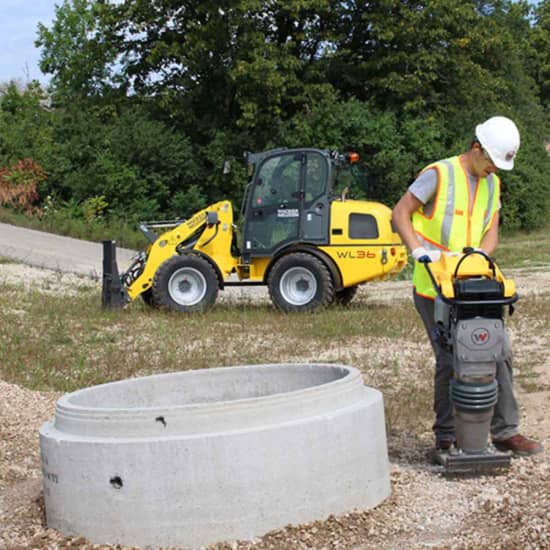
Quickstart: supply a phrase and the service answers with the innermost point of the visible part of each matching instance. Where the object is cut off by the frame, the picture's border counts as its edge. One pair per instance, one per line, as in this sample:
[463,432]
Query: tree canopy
[149,97]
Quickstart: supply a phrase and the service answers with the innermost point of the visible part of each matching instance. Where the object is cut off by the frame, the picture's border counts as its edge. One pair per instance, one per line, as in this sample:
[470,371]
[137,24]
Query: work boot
[519,445]
[444,444]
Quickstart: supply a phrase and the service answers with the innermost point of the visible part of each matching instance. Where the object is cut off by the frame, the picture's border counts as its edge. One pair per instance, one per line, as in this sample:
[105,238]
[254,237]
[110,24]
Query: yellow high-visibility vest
[455,219]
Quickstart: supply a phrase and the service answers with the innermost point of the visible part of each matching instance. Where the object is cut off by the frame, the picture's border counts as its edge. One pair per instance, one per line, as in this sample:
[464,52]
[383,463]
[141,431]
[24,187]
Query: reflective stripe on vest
[454,219]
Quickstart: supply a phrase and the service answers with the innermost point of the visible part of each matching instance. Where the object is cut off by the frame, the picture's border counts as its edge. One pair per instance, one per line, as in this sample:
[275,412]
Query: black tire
[185,283]
[147,297]
[345,296]
[300,282]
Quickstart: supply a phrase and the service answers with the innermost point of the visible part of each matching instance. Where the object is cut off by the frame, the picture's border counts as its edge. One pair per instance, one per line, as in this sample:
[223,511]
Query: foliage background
[149,98]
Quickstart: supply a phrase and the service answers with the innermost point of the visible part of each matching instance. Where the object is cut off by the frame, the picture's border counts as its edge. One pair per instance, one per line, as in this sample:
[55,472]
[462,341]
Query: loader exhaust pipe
[112,293]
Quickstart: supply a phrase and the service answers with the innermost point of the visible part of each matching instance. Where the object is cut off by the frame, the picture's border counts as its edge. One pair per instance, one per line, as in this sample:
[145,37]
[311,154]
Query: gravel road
[426,510]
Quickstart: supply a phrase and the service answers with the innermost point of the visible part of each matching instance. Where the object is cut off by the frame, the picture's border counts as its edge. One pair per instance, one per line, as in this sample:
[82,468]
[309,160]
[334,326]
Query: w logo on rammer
[480,336]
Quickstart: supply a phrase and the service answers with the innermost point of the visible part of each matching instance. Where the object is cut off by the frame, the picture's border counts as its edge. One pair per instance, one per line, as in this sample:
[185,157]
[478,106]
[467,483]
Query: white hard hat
[499,136]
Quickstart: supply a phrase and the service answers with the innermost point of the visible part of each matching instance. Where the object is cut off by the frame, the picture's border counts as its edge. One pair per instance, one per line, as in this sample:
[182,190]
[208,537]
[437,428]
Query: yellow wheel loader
[310,246]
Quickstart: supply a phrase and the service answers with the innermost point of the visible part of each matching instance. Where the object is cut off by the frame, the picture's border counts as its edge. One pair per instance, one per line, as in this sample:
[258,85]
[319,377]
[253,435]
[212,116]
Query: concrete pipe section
[196,457]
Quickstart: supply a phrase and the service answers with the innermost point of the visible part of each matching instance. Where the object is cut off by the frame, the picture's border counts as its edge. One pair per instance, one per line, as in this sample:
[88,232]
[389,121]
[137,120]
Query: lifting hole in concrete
[116,482]
[161,420]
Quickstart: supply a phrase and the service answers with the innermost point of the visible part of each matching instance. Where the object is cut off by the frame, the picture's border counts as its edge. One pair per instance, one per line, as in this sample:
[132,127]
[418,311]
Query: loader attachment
[113,294]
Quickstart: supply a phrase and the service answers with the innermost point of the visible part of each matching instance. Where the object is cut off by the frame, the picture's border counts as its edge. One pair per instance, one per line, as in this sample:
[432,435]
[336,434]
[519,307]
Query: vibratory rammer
[469,313]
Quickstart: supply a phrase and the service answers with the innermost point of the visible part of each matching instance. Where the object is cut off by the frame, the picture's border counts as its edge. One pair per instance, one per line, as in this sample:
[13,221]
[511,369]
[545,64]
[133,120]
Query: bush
[19,186]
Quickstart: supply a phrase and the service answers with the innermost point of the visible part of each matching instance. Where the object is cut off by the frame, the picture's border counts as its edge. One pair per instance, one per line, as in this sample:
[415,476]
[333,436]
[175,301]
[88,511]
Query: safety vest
[455,219]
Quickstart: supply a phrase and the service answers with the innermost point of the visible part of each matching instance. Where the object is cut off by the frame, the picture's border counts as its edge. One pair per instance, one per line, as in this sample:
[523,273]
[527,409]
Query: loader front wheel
[300,282]
[185,283]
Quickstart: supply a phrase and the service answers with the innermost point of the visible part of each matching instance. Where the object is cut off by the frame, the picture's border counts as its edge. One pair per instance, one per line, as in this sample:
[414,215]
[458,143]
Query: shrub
[19,186]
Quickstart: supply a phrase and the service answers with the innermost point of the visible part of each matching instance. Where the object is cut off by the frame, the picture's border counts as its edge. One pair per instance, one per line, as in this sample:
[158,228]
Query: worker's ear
[476,146]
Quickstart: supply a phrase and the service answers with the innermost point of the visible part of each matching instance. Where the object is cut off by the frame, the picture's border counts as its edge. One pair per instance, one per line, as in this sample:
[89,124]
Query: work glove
[426,256]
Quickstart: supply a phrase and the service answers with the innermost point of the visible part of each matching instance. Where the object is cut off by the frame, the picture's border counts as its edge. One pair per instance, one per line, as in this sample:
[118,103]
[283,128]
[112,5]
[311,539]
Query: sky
[18,24]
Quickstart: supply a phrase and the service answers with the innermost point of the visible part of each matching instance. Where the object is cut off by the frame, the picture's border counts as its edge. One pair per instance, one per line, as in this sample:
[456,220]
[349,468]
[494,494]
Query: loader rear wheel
[345,296]
[300,282]
[185,283]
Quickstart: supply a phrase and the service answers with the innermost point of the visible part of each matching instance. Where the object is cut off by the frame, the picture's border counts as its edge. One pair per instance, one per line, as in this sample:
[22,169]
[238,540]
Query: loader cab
[288,201]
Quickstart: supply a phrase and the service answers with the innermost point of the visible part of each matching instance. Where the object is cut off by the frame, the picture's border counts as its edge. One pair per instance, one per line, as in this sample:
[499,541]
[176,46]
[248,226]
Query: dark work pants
[505,420]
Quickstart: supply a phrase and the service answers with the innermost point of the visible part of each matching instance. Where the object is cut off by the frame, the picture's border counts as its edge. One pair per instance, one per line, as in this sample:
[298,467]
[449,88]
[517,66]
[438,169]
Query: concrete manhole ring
[196,457]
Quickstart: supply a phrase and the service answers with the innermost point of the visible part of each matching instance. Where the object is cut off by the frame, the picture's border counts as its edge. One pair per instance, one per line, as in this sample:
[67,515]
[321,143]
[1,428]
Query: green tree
[25,123]
[392,149]
[135,162]
[403,82]
[540,51]
[80,51]
[240,65]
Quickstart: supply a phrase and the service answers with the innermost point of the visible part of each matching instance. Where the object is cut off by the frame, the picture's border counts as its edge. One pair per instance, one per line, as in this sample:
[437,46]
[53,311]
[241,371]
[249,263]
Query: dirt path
[426,510]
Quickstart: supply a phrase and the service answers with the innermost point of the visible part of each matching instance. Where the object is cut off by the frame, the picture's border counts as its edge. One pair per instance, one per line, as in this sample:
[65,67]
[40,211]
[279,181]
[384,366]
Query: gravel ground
[425,510]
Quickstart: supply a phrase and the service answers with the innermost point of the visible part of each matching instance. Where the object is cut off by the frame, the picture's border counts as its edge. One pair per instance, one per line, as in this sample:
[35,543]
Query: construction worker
[453,204]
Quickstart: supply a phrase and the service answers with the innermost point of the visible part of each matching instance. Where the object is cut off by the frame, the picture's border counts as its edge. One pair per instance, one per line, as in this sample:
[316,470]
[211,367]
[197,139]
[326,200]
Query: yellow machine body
[355,260]
[473,266]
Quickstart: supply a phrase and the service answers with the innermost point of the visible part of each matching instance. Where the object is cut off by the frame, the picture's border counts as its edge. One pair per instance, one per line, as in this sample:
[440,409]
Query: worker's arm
[490,239]
[401,217]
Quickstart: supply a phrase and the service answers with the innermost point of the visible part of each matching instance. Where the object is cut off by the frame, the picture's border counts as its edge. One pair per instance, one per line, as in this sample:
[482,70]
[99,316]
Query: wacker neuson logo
[480,336]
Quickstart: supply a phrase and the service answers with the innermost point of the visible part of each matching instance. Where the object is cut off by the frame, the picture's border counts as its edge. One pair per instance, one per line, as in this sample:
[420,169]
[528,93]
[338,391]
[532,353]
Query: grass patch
[65,343]
[524,250]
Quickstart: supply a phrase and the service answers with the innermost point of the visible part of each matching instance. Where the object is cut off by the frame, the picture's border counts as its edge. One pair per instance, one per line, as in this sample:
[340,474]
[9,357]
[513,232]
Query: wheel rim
[187,286]
[298,286]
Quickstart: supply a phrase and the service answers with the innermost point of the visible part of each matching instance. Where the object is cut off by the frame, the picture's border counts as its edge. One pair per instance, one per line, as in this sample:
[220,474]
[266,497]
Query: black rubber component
[300,282]
[185,283]
[147,297]
[345,296]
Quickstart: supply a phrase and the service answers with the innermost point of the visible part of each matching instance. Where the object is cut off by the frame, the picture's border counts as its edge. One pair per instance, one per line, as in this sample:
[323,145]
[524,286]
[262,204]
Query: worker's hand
[425,256]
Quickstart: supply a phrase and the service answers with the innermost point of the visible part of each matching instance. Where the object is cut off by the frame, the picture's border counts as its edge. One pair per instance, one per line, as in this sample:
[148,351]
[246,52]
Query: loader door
[314,218]
[288,203]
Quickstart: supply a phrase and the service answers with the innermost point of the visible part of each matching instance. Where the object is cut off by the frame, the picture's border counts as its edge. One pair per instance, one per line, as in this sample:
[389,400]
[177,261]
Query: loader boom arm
[209,231]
